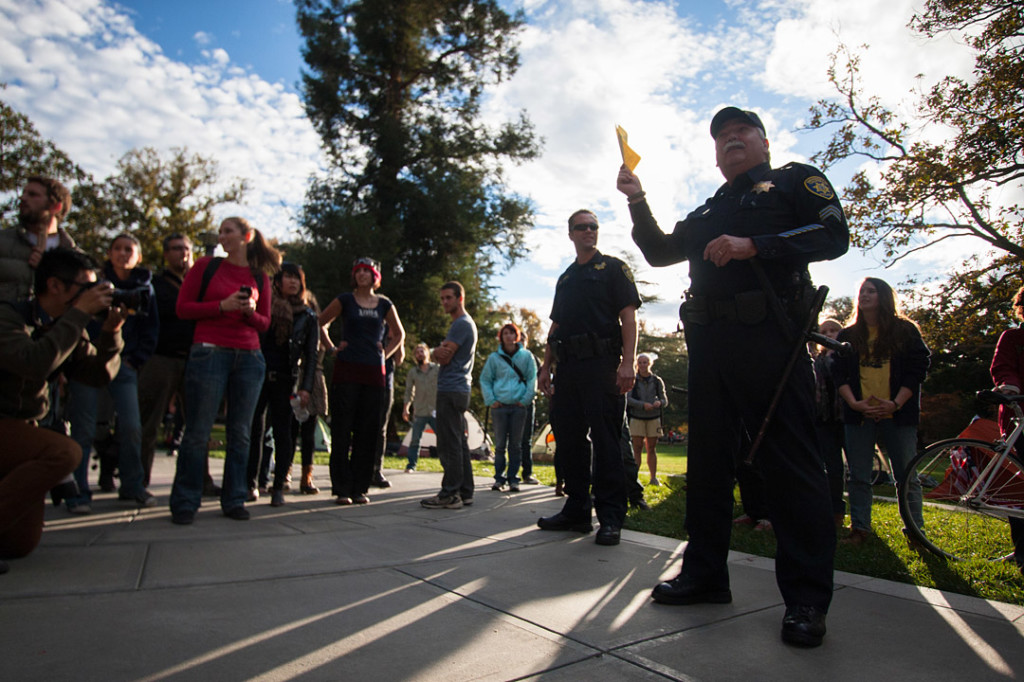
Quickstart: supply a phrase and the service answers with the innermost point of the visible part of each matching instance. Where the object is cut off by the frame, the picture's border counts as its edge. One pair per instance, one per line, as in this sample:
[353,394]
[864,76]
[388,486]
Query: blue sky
[220,77]
[260,35]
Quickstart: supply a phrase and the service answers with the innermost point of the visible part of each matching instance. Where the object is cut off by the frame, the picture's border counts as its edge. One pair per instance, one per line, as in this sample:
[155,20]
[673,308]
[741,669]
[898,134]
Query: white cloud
[218,56]
[98,88]
[660,68]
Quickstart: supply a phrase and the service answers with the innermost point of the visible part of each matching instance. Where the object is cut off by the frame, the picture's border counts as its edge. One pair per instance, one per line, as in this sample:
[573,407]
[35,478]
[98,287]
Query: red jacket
[1008,368]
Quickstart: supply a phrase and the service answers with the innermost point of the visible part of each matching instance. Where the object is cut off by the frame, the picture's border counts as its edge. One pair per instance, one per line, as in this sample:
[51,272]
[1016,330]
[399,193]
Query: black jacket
[299,359]
[907,367]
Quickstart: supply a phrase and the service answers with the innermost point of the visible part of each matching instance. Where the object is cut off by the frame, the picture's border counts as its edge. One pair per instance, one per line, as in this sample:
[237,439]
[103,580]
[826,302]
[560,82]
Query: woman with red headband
[357,385]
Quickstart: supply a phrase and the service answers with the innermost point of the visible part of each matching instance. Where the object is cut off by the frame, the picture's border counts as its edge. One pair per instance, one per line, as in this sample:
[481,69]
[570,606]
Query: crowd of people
[244,330]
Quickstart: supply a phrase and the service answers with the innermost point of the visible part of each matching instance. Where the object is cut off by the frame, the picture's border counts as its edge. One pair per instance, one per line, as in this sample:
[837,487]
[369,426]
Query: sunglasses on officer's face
[580,227]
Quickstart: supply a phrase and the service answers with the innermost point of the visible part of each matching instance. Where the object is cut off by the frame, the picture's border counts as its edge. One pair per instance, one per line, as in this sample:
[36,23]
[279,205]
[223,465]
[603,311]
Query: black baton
[798,348]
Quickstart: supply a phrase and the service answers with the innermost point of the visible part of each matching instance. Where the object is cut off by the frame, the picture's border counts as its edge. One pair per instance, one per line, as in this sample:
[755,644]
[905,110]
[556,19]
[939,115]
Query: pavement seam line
[598,650]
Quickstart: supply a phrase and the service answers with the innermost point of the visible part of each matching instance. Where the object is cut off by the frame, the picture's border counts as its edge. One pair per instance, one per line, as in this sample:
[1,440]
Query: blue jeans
[508,429]
[82,402]
[900,443]
[418,424]
[212,373]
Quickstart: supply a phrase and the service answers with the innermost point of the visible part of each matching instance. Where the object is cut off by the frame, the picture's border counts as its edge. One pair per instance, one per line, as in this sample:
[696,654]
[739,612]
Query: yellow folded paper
[629,157]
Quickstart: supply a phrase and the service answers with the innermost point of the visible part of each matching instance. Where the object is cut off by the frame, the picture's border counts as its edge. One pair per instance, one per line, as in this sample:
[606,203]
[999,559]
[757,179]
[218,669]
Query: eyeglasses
[580,227]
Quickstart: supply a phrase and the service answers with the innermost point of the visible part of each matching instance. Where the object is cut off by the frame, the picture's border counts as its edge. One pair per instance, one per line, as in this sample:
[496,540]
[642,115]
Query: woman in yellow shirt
[880,384]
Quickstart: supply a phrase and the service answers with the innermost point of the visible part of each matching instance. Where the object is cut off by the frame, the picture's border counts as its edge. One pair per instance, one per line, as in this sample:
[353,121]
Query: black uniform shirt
[792,214]
[589,297]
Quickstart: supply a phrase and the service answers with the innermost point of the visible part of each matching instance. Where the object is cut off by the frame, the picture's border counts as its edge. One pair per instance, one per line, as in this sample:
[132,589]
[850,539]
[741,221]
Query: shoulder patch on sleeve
[818,186]
[627,272]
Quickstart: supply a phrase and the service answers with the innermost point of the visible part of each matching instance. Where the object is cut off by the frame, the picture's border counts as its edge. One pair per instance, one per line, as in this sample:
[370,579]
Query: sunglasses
[368,262]
[580,227]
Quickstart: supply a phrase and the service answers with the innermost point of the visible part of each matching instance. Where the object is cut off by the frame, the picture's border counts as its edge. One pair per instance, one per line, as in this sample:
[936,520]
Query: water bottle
[300,412]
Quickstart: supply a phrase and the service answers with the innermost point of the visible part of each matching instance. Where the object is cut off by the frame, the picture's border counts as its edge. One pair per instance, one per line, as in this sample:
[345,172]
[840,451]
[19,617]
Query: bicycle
[970,489]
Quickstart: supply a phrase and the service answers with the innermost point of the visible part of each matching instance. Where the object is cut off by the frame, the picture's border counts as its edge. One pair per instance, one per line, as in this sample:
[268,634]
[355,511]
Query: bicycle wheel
[948,523]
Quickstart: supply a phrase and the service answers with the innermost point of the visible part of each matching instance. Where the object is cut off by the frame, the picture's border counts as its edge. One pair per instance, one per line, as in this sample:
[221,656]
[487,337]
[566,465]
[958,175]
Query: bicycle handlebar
[996,398]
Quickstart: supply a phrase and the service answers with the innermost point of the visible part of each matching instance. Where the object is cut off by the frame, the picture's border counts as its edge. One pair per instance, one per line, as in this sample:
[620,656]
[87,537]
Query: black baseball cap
[729,113]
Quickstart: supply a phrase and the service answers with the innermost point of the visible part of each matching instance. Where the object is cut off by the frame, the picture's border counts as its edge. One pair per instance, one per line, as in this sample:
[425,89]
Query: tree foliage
[394,88]
[839,308]
[926,191]
[25,152]
[151,196]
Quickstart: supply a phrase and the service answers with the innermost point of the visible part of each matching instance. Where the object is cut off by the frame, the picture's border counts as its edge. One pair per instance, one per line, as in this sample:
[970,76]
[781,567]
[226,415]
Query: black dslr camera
[136,301]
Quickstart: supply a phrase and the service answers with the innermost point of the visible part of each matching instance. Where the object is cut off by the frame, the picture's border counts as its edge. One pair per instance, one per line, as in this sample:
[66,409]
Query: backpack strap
[211,269]
[208,273]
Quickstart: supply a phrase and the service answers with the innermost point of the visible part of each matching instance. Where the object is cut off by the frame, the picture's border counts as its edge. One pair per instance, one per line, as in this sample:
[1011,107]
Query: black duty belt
[585,346]
[747,307]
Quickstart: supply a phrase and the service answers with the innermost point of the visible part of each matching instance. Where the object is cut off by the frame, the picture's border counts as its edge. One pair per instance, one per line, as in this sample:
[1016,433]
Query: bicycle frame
[1001,447]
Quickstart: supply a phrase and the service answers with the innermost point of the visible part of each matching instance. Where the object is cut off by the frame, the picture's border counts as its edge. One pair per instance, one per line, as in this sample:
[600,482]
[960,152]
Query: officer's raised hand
[629,184]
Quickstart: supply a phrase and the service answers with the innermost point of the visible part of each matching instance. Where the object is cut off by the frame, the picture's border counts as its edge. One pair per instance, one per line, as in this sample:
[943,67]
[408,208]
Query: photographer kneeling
[37,340]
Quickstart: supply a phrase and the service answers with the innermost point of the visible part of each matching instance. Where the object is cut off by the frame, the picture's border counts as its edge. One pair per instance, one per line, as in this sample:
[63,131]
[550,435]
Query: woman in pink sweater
[229,299]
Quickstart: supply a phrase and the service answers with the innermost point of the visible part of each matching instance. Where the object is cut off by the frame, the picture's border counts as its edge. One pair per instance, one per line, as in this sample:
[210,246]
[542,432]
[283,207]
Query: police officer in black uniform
[591,351]
[748,247]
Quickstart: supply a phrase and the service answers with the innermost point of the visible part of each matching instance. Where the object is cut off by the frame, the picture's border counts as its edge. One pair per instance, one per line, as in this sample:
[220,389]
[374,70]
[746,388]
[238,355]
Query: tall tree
[25,152]
[151,196]
[394,88]
[963,188]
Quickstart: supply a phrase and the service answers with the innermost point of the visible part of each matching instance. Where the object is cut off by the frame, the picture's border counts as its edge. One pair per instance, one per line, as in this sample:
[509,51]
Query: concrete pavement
[392,591]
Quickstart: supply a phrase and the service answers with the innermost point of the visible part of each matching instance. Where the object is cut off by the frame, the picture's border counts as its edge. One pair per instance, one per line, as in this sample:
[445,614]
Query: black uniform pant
[274,398]
[586,418]
[630,469]
[734,371]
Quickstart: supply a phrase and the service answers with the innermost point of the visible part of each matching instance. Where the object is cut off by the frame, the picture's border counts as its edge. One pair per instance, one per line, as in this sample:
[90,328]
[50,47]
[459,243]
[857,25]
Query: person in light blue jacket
[508,382]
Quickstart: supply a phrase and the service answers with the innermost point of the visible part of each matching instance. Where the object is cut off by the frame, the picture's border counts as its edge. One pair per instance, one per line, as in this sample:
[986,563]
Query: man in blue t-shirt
[455,355]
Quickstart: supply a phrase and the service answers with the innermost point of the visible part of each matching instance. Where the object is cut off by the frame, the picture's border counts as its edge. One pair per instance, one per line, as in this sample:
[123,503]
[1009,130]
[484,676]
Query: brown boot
[307,486]
[857,537]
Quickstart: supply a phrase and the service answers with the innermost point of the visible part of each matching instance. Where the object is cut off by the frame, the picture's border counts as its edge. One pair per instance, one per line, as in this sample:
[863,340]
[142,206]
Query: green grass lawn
[886,555]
